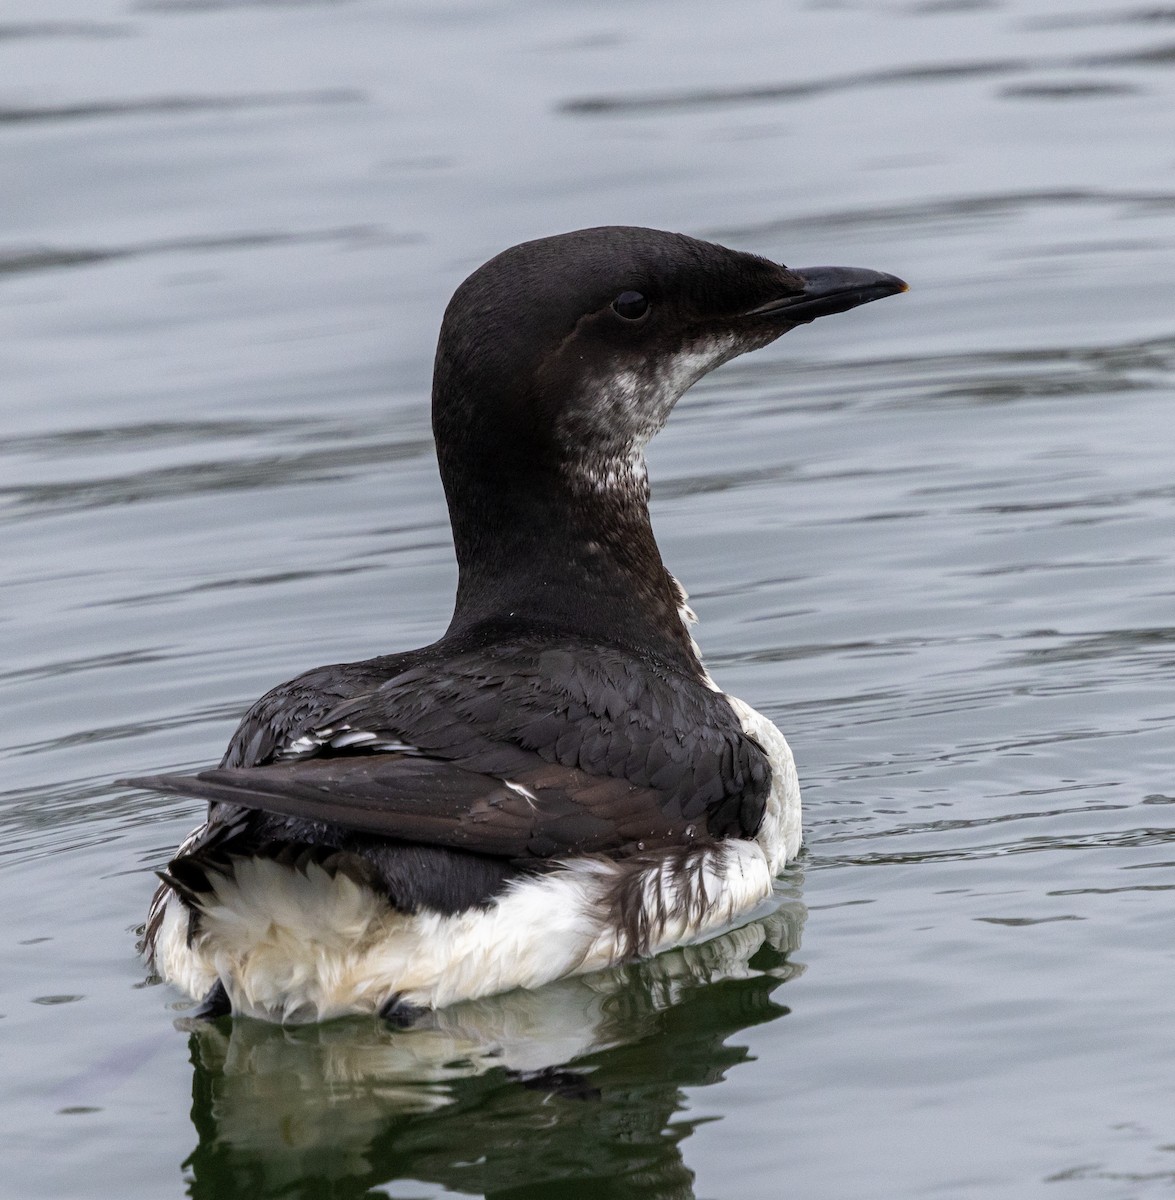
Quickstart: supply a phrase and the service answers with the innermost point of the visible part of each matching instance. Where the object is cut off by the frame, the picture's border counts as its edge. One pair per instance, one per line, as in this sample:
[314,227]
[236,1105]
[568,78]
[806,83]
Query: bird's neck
[569,548]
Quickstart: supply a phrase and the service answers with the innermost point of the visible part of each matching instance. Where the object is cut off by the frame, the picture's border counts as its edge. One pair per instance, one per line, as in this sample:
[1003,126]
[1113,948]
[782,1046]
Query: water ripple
[267,579]
[1144,56]
[711,97]
[685,100]
[18,261]
[31,30]
[122,731]
[939,210]
[94,662]
[246,473]
[190,6]
[1091,19]
[1123,645]
[149,434]
[156,106]
[1103,840]
[1078,90]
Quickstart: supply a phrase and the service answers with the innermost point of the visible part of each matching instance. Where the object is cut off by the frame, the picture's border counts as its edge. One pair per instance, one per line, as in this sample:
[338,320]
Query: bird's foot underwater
[557,1081]
[216,1003]
[399,1013]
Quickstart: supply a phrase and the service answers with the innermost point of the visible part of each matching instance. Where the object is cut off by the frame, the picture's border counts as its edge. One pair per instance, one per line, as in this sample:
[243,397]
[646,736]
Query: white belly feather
[302,944]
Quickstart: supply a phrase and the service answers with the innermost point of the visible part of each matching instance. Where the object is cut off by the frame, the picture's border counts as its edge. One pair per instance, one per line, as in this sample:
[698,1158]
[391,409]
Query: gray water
[932,538]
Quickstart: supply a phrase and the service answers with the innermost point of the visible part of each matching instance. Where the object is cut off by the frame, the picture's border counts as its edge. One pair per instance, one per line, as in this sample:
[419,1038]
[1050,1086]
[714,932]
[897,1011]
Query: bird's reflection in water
[567,1091]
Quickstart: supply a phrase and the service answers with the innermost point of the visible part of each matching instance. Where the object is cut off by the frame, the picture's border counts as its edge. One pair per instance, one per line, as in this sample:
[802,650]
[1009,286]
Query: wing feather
[551,810]
[616,752]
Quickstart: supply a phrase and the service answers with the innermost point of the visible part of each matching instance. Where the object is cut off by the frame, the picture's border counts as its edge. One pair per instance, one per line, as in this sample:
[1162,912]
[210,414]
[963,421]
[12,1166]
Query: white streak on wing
[307,744]
[524,792]
[352,737]
[339,737]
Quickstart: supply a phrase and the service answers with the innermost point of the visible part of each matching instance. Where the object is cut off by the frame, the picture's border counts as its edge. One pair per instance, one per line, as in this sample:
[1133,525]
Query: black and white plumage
[557,783]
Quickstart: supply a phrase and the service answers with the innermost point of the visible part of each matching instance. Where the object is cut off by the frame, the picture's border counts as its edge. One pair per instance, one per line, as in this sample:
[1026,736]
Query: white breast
[298,945]
[781,833]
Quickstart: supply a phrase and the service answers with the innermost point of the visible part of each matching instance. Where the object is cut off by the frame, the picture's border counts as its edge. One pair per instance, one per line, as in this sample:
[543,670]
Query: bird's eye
[630,305]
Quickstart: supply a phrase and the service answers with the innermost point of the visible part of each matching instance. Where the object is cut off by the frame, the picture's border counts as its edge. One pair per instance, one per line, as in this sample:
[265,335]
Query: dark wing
[544,811]
[291,709]
[605,753]
[583,706]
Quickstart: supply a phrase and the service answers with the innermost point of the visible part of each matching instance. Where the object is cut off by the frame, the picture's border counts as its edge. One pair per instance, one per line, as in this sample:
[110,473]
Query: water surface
[933,539]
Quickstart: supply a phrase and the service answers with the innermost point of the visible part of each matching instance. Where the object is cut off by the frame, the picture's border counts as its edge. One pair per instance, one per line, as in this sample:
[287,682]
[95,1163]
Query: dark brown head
[560,358]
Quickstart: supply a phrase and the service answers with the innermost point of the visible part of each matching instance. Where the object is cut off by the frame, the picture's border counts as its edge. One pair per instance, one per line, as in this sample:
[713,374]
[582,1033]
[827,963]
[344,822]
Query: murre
[557,784]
